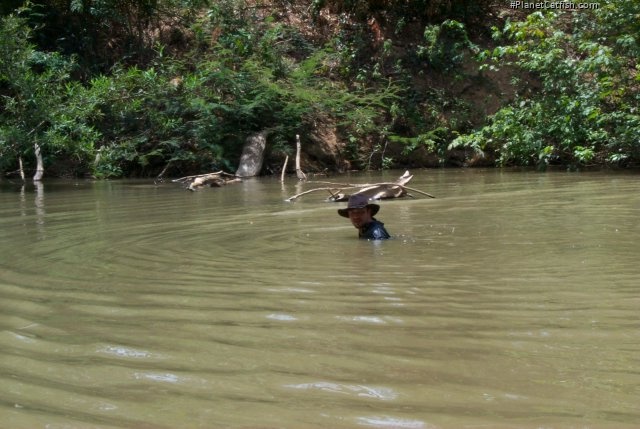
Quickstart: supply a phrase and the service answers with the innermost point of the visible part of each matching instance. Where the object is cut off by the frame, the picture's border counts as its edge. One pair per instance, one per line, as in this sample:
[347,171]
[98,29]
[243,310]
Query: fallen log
[217,179]
[374,191]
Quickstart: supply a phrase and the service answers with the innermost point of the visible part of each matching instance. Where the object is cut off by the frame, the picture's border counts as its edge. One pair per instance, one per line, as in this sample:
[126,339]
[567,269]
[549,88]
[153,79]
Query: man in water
[361,214]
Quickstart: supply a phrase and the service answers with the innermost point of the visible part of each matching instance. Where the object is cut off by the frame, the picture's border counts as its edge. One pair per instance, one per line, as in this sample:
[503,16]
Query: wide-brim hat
[359,201]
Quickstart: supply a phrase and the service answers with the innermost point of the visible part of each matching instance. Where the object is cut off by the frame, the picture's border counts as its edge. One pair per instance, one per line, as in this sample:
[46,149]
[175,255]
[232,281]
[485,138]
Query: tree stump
[252,155]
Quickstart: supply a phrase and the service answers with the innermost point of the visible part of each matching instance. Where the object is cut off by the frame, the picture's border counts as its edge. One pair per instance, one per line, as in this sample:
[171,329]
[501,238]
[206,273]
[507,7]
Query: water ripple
[140,306]
[381,393]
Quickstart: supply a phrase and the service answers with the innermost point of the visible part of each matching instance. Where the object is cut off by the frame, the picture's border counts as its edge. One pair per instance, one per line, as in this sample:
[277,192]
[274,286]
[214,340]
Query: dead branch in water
[374,191]
[217,179]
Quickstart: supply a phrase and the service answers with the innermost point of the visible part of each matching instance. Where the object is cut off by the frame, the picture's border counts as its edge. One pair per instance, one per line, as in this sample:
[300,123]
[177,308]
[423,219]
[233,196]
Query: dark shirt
[373,231]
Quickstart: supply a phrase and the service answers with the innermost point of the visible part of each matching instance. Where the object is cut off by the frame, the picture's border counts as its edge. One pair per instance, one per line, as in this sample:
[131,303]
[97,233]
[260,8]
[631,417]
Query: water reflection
[38,206]
[508,301]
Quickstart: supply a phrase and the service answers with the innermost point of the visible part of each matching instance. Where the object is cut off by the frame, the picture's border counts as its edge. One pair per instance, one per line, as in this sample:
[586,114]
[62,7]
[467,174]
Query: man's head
[359,210]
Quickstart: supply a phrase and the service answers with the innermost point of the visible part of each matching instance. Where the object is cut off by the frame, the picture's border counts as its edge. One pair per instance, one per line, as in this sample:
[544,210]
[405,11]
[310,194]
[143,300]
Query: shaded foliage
[100,33]
[426,11]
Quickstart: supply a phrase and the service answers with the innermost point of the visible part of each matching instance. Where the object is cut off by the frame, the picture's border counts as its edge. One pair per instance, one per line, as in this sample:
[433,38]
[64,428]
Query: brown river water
[512,300]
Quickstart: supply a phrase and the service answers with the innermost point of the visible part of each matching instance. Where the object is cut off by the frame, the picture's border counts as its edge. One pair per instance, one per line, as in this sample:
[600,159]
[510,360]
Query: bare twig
[284,168]
[160,177]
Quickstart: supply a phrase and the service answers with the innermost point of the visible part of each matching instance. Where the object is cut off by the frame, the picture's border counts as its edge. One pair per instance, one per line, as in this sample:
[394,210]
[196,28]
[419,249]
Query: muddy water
[510,300]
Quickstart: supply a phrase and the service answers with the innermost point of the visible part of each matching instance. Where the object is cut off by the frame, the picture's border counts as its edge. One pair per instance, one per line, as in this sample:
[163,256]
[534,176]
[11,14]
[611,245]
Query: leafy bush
[586,107]
[42,108]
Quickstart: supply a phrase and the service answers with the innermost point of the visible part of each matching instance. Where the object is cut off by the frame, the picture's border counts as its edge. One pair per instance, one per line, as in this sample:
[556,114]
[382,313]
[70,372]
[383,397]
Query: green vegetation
[577,100]
[118,88]
[43,109]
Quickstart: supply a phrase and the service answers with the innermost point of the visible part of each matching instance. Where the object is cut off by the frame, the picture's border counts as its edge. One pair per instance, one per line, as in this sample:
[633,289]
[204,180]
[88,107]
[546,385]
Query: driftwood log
[374,191]
[217,179]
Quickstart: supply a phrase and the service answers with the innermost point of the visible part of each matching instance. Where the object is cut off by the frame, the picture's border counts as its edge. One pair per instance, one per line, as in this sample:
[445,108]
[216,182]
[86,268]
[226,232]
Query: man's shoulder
[375,230]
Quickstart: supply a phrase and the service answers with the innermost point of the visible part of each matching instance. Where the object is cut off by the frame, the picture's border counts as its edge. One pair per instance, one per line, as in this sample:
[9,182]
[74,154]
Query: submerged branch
[219,178]
[294,197]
